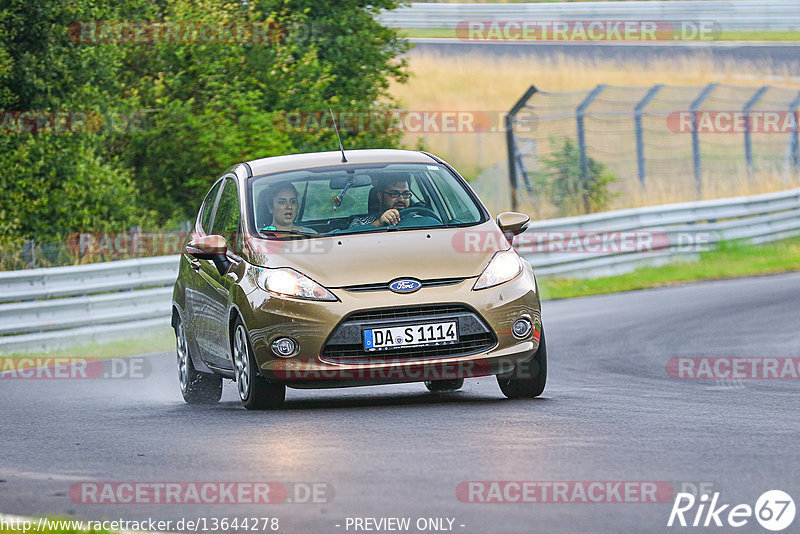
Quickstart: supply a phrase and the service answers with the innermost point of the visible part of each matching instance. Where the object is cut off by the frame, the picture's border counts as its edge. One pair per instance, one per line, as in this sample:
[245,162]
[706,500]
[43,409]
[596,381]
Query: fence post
[637,118]
[134,245]
[793,152]
[29,253]
[511,144]
[579,114]
[748,146]
[698,170]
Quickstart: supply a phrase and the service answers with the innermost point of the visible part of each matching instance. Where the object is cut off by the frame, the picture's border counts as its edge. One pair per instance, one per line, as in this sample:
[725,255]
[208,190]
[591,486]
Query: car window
[207,209]
[226,219]
[456,200]
[332,200]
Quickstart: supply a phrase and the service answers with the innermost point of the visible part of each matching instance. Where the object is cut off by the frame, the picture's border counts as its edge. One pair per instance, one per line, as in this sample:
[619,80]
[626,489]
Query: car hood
[379,257]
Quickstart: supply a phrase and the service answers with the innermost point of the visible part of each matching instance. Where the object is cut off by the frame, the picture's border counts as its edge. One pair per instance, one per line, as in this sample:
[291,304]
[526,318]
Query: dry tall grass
[493,84]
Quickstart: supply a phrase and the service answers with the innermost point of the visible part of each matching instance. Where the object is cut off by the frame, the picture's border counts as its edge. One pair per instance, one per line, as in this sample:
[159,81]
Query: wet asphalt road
[610,413]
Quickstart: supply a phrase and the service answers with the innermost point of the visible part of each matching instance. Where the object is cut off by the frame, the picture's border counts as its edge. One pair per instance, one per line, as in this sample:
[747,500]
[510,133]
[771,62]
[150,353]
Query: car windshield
[365,198]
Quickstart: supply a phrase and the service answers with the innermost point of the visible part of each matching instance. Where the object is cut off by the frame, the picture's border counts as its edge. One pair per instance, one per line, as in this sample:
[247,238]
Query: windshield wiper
[287,233]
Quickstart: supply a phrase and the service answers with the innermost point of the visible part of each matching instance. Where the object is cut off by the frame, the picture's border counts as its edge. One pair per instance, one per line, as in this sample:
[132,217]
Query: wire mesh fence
[94,247]
[573,152]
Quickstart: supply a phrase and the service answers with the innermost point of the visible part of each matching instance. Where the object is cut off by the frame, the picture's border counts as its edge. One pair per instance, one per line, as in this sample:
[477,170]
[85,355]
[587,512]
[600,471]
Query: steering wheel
[425,212]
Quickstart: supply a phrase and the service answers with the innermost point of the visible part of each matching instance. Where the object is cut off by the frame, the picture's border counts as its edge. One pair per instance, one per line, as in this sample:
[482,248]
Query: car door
[196,305]
[213,334]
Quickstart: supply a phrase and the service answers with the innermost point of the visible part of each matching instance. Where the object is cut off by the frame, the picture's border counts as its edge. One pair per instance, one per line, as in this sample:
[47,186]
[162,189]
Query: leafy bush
[55,184]
[565,186]
[205,105]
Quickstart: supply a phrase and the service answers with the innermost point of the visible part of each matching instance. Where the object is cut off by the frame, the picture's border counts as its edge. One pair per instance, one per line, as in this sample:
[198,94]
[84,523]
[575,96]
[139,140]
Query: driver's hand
[389,218]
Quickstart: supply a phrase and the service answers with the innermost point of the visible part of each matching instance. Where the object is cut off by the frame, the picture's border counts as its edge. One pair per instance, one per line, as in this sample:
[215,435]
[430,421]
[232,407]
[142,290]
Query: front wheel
[196,387]
[256,393]
[527,379]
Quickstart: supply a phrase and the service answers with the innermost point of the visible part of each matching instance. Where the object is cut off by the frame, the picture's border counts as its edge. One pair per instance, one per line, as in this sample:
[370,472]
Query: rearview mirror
[211,247]
[511,222]
[358,180]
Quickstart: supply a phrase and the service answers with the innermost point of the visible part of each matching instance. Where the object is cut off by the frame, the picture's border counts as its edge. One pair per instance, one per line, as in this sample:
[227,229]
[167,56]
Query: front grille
[345,344]
[384,286]
[402,312]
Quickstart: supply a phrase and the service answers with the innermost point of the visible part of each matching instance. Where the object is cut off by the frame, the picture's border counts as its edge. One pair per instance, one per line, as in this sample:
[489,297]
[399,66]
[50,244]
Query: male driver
[392,196]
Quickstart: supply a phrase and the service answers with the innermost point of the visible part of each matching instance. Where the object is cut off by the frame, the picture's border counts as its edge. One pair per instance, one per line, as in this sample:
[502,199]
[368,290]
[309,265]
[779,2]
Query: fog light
[521,328]
[284,347]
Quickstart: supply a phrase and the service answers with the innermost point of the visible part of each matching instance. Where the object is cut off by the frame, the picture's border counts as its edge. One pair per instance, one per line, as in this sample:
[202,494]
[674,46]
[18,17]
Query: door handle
[194,264]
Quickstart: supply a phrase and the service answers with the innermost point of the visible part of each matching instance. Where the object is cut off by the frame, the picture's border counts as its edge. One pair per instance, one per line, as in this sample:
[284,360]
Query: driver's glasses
[394,195]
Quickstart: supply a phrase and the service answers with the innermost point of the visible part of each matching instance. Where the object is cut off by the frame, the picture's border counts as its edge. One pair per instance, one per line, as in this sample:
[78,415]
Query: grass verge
[730,260]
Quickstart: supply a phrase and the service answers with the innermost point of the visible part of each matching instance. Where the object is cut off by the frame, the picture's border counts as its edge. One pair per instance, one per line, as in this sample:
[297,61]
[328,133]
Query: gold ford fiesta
[354,268]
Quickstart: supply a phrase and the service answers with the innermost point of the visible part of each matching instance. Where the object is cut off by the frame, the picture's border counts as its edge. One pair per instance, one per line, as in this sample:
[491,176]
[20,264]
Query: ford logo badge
[405,285]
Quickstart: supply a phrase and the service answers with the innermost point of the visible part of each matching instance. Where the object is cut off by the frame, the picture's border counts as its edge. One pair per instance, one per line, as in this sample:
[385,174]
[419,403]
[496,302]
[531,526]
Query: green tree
[565,185]
[56,184]
[220,103]
[203,105]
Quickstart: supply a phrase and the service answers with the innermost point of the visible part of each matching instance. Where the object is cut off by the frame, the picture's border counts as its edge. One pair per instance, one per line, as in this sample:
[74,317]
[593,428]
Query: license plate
[417,335]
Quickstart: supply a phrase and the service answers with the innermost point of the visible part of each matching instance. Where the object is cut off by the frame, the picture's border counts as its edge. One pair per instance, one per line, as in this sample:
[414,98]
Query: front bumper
[316,325]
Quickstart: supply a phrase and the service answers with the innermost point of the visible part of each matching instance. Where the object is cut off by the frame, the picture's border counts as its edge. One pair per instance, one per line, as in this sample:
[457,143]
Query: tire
[254,390]
[527,379]
[442,386]
[196,387]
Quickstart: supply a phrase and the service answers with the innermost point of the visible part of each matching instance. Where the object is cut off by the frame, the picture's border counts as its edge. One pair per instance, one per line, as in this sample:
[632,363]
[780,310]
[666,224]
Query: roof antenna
[336,129]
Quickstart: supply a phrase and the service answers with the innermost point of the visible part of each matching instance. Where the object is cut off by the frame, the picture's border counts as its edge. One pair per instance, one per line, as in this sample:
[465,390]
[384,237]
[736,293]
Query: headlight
[505,266]
[289,282]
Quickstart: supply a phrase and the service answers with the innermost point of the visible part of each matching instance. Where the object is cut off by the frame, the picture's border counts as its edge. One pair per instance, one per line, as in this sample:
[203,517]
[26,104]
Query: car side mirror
[511,222]
[210,247]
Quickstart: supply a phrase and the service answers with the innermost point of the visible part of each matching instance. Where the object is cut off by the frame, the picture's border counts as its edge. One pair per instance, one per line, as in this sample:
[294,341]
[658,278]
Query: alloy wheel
[241,361]
[183,357]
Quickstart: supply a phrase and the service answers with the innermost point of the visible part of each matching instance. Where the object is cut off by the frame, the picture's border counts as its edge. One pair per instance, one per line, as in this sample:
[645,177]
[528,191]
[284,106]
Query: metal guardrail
[738,15]
[74,312]
[677,230]
[120,298]
[33,284]
[45,309]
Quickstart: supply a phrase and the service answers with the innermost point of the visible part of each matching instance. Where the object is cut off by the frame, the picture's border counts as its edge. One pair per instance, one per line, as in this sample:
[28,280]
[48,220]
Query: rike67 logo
[774,510]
